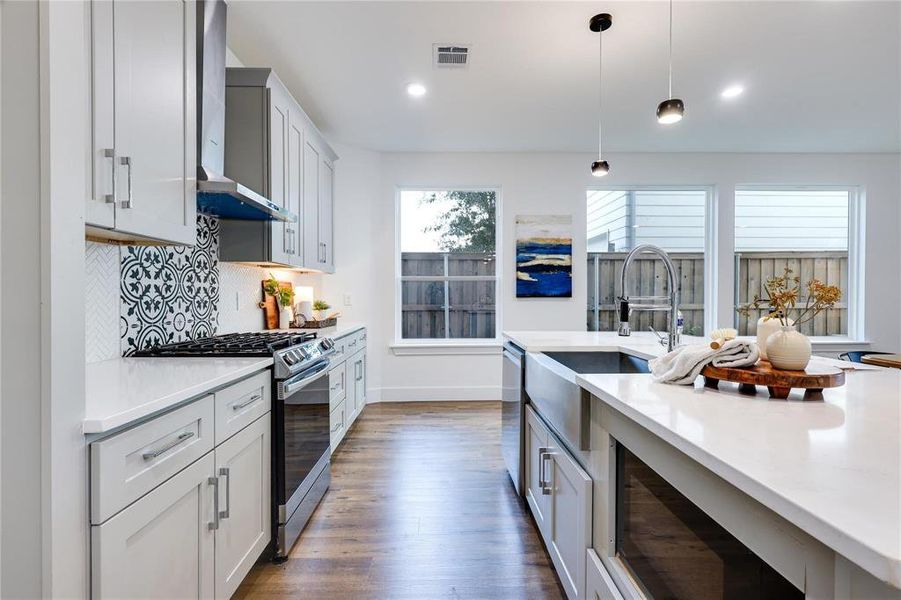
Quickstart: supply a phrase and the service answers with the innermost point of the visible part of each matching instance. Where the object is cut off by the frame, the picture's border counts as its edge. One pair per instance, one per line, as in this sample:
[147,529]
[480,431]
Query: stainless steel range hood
[217,194]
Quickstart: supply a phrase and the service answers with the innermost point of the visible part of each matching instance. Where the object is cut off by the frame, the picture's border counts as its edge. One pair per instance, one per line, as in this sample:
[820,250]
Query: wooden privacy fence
[450,294]
[453,294]
[648,278]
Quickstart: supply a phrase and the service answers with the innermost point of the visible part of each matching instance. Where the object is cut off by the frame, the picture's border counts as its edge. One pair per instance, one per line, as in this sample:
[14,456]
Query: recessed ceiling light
[732,91]
[416,90]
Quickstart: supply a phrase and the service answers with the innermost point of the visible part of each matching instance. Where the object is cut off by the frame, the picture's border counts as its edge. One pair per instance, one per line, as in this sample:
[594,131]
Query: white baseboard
[433,394]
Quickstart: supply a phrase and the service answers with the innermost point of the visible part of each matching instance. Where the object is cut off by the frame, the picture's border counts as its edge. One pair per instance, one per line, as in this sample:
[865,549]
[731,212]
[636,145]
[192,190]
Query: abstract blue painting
[544,256]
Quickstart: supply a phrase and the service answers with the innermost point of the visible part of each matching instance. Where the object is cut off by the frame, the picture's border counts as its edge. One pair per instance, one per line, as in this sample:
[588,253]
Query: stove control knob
[289,358]
[326,344]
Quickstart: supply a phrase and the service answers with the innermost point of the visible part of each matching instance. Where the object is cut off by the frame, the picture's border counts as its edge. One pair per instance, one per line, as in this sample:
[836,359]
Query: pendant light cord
[600,88]
[670,49]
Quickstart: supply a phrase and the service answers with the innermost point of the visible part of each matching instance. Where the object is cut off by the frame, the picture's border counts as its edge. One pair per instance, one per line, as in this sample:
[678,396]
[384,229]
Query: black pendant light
[600,23]
[670,110]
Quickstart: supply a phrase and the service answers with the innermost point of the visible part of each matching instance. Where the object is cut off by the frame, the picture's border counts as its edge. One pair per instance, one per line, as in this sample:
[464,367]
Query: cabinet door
[294,231]
[154,106]
[568,537]
[359,383]
[243,468]
[312,247]
[279,126]
[162,546]
[350,400]
[100,205]
[536,468]
[598,584]
[326,215]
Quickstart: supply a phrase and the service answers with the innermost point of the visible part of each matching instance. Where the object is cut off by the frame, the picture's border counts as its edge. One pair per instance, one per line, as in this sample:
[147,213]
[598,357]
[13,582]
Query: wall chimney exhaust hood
[216,193]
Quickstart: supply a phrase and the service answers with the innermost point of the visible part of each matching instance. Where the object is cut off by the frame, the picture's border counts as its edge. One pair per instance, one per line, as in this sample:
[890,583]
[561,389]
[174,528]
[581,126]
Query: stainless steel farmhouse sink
[552,389]
[600,362]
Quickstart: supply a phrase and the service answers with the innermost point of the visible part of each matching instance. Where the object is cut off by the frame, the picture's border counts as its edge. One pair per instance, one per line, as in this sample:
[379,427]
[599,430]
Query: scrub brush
[721,336]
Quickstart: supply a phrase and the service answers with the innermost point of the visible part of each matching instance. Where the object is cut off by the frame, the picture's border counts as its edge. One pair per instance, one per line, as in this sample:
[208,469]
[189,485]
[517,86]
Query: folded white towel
[683,365]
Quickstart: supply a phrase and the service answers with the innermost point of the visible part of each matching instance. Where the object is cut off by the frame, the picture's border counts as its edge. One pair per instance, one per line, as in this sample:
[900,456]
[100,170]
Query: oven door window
[306,426]
[674,550]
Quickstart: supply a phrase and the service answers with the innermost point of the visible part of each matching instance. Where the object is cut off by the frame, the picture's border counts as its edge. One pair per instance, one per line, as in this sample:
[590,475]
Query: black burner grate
[232,344]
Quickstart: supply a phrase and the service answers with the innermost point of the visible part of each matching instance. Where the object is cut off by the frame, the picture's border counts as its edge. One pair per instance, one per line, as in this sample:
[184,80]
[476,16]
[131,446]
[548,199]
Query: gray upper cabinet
[272,147]
[318,205]
[143,109]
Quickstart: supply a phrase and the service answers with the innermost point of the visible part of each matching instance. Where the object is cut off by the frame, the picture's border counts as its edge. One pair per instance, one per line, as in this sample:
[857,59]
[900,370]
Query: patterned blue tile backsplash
[170,293]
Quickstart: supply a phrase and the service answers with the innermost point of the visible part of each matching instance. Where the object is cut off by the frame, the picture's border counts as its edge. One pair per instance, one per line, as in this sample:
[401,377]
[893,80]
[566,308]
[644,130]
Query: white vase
[322,314]
[766,328]
[788,349]
[285,316]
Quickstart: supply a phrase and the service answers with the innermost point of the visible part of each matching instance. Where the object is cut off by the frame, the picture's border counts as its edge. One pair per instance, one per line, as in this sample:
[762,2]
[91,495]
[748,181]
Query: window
[806,230]
[447,277]
[618,221]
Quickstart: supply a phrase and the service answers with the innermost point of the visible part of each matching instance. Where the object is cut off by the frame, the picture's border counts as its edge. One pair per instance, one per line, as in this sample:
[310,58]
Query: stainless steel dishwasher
[513,413]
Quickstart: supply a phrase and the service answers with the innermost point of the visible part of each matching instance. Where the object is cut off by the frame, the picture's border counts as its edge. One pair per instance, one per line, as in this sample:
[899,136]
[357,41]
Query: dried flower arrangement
[782,294]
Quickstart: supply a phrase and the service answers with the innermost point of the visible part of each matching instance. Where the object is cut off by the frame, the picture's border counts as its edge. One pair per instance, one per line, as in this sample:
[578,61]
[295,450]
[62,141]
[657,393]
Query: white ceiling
[819,76]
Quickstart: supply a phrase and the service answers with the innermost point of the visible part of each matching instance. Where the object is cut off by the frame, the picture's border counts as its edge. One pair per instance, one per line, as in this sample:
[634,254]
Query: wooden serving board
[779,383]
[270,304]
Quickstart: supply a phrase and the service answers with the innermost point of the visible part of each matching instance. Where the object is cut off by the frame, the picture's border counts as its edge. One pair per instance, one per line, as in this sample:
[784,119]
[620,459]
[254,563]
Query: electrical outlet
[347,300]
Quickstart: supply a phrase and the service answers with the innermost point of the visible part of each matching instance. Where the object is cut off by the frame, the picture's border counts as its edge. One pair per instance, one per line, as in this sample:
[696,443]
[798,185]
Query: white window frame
[711,308]
[856,257]
[447,345]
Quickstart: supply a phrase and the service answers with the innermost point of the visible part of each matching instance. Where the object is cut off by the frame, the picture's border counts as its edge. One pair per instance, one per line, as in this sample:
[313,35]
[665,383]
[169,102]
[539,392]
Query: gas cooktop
[262,343]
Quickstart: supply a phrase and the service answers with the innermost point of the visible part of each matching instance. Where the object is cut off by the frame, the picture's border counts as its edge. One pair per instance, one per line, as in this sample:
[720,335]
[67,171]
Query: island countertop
[831,468]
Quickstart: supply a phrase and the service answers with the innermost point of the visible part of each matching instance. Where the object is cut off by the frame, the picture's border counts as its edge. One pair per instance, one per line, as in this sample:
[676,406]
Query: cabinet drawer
[338,423]
[241,404]
[130,464]
[355,341]
[337,386]
[340,351]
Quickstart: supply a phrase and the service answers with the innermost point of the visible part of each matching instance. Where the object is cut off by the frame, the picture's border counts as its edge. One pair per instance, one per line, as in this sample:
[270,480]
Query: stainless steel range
[300,419]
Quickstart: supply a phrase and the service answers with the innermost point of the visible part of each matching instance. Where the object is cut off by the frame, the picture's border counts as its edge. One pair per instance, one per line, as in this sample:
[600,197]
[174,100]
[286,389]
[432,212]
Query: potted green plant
[321,307]
[284,296]
[778,338]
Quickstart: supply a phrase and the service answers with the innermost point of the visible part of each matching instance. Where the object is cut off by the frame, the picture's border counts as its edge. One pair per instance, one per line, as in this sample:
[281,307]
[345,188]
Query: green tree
[469,225]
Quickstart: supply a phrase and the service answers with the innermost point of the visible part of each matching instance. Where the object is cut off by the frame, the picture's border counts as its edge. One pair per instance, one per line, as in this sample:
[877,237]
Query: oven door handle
[289,386]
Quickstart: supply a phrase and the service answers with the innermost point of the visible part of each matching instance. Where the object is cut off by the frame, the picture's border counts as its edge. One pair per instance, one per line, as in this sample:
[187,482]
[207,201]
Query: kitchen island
[812,488]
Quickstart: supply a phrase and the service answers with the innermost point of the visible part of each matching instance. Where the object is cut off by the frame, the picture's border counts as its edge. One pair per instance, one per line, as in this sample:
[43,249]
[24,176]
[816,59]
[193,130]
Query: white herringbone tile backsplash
[101,301]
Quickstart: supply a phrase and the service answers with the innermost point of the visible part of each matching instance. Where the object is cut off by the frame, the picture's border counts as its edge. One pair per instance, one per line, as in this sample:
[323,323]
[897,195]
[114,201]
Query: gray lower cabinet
[143,112]
[161,546]
[274,149]
[189,527]
[349,370]
[559,493]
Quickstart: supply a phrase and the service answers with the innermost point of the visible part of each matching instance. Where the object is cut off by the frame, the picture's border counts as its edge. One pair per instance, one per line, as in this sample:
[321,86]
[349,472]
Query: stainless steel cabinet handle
[111,153]
[214,481]
[223,472]
[360,373]
[129,202]
[168,446]
[541,452]
[247,402]
[338,426]
[336,386]
[546,489]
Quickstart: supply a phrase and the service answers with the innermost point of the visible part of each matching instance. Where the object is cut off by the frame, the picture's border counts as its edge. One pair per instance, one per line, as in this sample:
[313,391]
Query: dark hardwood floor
[420,507]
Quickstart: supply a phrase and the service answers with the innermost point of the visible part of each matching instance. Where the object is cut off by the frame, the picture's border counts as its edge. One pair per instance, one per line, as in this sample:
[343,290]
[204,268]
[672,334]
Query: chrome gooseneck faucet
[671,304]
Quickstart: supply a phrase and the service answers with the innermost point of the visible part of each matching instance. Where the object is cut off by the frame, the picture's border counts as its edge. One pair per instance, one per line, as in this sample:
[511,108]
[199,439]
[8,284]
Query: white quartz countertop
[125,390]
[831,468]
[339,331]
[642,344]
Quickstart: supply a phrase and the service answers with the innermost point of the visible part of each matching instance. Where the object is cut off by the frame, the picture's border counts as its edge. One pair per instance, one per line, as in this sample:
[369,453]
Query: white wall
[536,183]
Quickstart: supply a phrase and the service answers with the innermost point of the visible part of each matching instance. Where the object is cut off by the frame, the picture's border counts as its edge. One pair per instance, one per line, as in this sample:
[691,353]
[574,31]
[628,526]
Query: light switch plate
[347,300]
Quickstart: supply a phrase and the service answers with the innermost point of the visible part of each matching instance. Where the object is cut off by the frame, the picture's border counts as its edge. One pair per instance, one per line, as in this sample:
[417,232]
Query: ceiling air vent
[450,55]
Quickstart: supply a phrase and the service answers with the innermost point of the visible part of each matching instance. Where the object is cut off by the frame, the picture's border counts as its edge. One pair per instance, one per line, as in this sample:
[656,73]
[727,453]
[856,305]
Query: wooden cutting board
[270,304]
[779,383]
